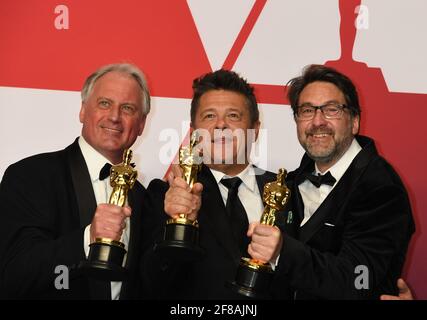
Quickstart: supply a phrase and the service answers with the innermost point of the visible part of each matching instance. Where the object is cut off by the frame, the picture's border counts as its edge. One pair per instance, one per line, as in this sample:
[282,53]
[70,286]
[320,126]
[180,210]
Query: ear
[356,124]
[142,125]
[82,112]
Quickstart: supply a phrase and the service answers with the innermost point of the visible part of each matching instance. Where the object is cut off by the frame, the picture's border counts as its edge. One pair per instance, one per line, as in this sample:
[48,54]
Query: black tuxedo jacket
[46,201]
[204,279]
[365,224]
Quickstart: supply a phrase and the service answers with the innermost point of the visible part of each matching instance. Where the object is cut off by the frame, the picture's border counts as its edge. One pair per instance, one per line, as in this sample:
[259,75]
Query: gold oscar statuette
[105,259]
[181,235]
[253,276]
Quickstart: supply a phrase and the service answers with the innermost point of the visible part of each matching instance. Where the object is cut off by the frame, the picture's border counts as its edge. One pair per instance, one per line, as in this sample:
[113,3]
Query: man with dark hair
[224,80]
[222,102]
[351,213]
[53,205]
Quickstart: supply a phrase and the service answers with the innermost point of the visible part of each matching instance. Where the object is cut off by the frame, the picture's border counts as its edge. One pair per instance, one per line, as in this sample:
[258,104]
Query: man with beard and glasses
[351,214]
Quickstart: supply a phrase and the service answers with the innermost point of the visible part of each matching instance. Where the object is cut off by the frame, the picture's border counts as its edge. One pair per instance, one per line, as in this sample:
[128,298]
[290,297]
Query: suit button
[164,266]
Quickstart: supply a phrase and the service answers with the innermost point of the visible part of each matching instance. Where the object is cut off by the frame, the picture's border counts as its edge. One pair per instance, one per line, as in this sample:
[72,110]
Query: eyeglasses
[330,110]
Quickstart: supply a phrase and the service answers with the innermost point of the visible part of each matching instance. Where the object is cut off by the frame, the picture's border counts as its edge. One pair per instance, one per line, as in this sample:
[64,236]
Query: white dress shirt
[312,196]
[102,189]
[248,192]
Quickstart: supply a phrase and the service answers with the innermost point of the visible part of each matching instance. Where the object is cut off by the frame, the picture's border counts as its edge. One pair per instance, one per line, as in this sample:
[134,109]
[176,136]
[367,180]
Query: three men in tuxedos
[54,205]
[350,237]
[222,102]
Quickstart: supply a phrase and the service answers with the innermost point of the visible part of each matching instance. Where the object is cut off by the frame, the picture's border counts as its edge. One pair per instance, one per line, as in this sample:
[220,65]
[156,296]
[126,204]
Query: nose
[319,118]
[221,124]
[114,114]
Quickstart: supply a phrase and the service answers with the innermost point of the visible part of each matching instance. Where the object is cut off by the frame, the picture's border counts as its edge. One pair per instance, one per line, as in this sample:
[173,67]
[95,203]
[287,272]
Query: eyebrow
[329,101]
[129,103]
[234,109]
[103,98]
[123,103]
[226,109]
[208,110]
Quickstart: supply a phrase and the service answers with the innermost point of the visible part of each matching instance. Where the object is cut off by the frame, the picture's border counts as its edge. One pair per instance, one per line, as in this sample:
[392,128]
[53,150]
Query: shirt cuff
[86,240]
[274,264]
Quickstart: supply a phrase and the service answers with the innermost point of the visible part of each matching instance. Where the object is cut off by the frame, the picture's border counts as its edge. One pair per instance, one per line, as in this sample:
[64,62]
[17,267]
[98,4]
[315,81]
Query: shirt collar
[94,160]
[339,168]
[247,176]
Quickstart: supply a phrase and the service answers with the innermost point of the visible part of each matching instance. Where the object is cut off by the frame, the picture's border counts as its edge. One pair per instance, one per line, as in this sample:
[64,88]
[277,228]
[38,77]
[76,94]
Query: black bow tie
[105,171]
[317,181]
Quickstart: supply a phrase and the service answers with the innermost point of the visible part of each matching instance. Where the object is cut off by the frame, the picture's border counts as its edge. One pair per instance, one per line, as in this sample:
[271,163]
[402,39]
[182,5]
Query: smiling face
[325,140]
[226,117]
[112,115]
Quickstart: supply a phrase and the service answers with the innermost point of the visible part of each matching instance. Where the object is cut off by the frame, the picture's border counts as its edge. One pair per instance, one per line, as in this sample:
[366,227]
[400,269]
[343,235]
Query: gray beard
[334,155]
[322,159]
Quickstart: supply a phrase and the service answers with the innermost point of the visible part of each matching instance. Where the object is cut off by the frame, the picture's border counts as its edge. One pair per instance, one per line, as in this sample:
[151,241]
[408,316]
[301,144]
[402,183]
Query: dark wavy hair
[224,80]
[316,72]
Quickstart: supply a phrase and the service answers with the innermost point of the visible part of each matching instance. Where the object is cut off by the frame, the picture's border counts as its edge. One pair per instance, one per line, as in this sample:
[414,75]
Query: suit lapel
[297,203]
[83,188]
[86,203]
[214,216]
[326,211]
[134,241]
[263,178]
[330,208]
[134,230]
